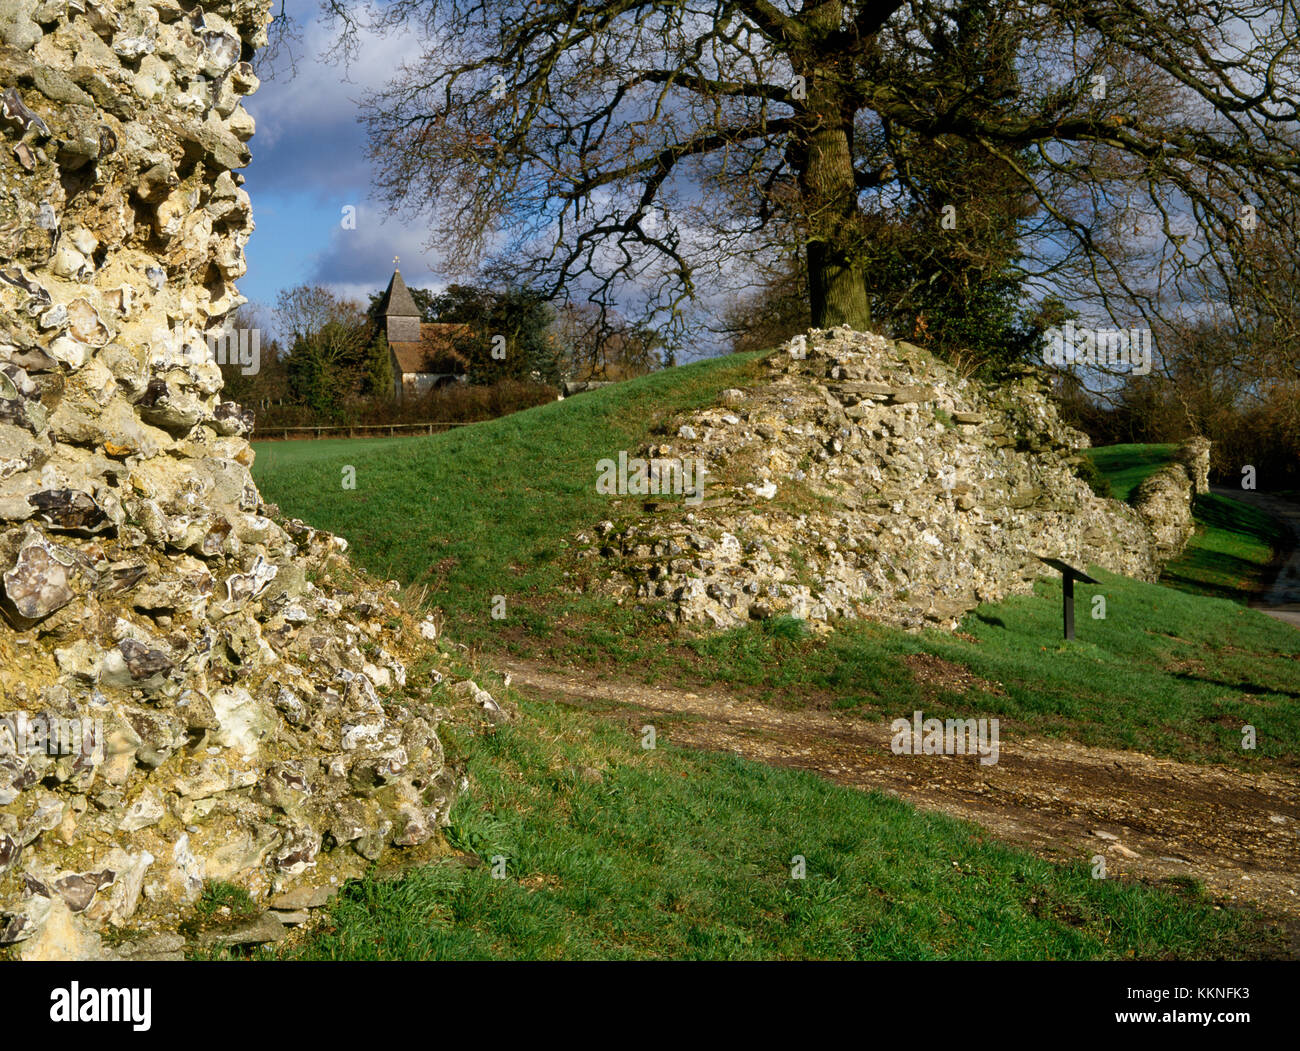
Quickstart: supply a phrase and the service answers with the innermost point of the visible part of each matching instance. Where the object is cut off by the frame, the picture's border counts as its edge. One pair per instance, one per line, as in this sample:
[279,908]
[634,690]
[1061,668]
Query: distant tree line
[330,363]
[1242,392]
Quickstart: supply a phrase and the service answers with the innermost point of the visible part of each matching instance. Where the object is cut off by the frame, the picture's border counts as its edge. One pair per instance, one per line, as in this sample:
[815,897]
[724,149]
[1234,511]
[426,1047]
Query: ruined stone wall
[861,477]
[244,679]
[1163,500]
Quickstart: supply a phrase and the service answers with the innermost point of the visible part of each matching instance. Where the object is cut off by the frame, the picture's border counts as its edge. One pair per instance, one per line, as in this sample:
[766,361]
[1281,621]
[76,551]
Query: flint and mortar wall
[241,672]
[862,478]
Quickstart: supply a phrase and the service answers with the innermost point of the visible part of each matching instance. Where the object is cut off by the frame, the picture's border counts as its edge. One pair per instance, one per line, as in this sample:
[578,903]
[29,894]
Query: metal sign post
[1068,576]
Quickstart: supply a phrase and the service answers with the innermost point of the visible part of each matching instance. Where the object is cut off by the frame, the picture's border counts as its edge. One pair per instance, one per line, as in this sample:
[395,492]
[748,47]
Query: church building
[423,354]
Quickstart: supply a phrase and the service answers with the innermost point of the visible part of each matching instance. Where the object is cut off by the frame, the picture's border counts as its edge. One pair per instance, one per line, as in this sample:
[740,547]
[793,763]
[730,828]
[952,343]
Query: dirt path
[1237,832]
[1282,598]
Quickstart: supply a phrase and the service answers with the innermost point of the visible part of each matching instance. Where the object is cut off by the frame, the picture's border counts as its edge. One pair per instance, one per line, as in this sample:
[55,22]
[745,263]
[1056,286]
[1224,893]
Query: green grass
[279,457]
[680,854]
[1230,556]
[489,509]
[485,509]
[218,895]
[219,903]
[1127,465]
[1233,551]
[615,852]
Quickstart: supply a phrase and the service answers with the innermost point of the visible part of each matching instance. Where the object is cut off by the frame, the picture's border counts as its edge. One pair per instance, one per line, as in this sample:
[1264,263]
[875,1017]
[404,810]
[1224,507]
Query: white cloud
[364,256]
[325,91]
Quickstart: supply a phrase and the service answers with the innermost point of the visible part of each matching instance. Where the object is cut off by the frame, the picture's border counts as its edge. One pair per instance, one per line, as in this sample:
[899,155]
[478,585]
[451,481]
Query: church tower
[400,314]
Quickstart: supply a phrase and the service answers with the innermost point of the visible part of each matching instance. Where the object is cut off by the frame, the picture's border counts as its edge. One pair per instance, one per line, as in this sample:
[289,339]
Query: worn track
[1237,832]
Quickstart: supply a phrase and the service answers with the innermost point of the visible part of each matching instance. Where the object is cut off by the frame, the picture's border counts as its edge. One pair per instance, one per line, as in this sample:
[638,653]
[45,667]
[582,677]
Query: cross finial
[394,262]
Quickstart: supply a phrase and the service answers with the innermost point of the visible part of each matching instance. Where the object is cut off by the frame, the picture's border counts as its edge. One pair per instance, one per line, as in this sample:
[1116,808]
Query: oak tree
[631,149]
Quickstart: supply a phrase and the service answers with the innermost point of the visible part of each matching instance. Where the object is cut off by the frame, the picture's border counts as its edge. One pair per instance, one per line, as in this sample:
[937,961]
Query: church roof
[436,352]
[397,301]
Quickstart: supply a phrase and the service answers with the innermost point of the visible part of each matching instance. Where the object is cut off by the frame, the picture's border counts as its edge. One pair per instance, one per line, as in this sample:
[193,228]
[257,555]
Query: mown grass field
[611,851]
[491,510]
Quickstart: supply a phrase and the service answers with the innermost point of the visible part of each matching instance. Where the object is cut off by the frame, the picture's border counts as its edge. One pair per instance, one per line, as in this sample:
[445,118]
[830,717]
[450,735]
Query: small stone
[486,702]
[79,889]
[63,936]
[9,851]
[84,324]
[81,145]
[38,584]
[13,108]
[70,352]
[145,811]
[258,930]
[82,660]
[231,419]
[303,898]
[158,947]
[70,511]
[294,919]
[143,661]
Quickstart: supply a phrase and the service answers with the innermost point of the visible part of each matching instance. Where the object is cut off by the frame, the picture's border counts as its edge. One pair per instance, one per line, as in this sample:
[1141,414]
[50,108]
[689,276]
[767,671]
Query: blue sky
[310,162]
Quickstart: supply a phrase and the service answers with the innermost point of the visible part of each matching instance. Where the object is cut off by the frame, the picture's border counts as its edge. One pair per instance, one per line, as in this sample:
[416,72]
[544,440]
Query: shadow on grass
[1241,685]
[1236,517]
[1194,570]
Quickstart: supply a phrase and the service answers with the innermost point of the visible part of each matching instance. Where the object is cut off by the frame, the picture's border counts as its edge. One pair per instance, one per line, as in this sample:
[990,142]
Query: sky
[310,163]
[310,166]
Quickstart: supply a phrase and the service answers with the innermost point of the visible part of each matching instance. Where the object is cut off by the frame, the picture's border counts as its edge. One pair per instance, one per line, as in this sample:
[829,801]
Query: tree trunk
[837,289]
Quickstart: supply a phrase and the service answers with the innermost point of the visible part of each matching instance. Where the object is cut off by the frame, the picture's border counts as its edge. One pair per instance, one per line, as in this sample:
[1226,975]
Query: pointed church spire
[397,301]
[401,315]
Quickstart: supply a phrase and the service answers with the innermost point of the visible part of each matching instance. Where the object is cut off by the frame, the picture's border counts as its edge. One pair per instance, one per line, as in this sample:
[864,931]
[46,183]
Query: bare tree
[633,147]
[304,312]
[328,341]
[774,310]
[596,345]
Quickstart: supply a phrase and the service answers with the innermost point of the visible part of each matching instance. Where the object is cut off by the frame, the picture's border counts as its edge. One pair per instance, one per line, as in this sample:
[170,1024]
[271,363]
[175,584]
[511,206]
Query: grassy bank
[610,851]
[607,850]
[490,509]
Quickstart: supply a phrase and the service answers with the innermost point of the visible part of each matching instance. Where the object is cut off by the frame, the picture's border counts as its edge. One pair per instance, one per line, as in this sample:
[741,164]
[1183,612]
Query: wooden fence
[356,430]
